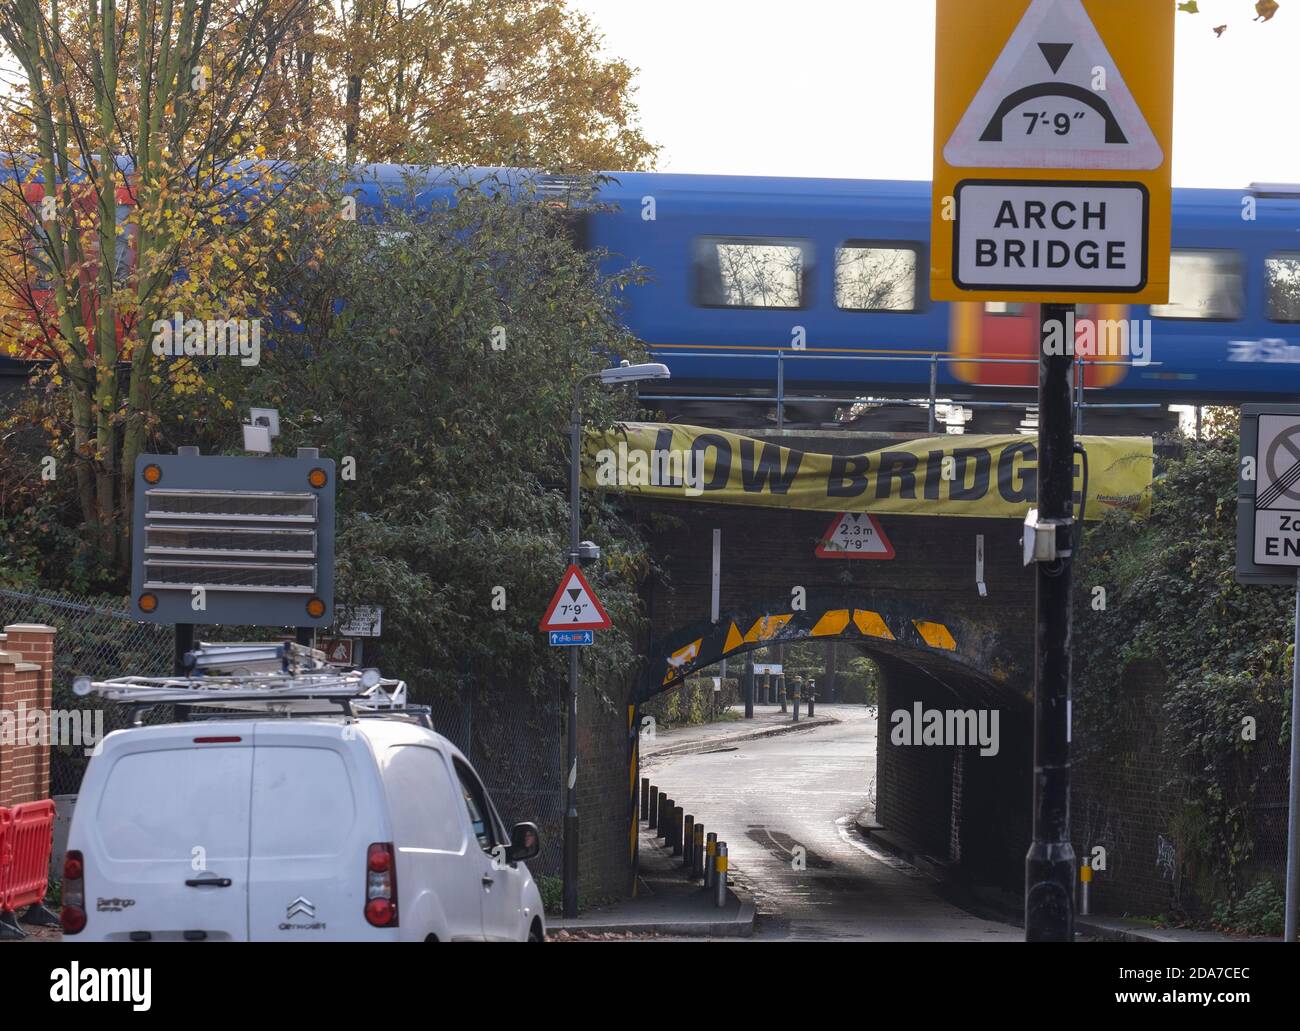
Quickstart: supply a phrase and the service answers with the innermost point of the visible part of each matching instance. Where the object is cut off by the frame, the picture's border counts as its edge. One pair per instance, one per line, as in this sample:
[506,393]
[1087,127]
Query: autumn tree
[486,82]
[133,127]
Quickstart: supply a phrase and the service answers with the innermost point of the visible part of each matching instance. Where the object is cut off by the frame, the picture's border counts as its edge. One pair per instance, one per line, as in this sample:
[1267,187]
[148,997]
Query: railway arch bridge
[949,618]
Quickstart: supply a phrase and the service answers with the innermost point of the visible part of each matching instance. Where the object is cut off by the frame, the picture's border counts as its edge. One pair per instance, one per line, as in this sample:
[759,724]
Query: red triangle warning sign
[855,535]
[575,605]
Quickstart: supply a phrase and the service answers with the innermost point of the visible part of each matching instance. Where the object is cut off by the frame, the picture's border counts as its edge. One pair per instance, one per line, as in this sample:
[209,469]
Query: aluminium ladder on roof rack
[243,657]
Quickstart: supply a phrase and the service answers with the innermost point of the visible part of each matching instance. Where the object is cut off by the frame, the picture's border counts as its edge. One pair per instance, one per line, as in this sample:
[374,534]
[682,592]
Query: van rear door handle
[208,882]
[488,881]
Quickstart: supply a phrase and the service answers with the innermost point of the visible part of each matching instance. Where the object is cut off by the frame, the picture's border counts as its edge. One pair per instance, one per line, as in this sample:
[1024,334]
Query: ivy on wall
[1163,591]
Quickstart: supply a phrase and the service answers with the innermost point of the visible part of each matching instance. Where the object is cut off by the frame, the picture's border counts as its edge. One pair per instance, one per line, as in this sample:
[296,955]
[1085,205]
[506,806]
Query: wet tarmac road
[785,806]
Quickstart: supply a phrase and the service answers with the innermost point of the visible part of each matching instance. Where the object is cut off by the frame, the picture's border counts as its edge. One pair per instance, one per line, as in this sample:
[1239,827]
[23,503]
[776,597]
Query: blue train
[817,290]
[832,276]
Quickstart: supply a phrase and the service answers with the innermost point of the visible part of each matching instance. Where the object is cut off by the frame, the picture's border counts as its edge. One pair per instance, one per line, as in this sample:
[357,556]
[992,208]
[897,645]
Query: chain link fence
[515,747]
[96,637]
[517,750]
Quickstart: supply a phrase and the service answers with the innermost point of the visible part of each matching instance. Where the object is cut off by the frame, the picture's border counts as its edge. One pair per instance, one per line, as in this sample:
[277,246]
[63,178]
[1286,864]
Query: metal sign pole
[183,638]
[1049,864]
[569,893]
[1293,812]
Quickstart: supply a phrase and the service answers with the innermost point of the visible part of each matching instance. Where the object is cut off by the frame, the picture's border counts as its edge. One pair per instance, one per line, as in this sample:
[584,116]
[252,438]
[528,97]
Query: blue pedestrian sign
[570,638]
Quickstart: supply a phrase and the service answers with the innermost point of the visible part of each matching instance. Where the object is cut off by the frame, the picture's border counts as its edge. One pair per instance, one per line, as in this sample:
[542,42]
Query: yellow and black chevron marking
[936,635]
[850,623]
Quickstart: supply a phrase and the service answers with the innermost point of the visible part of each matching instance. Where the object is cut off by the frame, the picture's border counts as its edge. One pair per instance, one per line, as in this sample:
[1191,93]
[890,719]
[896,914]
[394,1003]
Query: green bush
[693,703]
[552,891]
[1259,911]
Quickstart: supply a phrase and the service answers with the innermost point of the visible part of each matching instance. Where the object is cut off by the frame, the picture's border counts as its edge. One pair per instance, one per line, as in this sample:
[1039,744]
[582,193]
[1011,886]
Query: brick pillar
[26,684]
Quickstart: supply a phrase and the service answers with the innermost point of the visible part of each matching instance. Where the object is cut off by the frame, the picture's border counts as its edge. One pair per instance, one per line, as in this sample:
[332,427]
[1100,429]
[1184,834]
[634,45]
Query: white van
[365,826]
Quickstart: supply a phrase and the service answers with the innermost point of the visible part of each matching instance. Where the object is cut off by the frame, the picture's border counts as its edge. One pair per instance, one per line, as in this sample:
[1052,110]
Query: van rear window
[164,804]
[302,802]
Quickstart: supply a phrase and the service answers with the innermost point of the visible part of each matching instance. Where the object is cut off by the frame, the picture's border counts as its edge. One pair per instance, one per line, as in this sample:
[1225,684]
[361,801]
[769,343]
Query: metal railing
[780,398]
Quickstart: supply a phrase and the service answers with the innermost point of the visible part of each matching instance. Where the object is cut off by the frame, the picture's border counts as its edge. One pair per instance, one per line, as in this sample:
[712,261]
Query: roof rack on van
[285,679]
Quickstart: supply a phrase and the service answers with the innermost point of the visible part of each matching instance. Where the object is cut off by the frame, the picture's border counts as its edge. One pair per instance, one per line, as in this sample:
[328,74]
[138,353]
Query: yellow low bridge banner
[984,476]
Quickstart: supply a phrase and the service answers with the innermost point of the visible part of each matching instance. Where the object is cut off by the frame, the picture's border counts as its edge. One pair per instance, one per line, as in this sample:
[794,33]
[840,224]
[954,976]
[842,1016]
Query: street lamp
[616,375]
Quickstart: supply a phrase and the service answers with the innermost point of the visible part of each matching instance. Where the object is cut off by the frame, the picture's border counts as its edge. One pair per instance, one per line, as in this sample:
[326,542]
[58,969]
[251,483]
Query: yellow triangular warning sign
[1054,99]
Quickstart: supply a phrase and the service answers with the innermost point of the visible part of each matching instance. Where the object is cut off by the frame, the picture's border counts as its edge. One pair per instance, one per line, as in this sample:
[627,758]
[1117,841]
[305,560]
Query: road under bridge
[949,620]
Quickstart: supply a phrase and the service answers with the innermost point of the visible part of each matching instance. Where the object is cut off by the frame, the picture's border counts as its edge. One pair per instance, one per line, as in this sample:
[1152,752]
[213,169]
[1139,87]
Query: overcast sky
[845,88]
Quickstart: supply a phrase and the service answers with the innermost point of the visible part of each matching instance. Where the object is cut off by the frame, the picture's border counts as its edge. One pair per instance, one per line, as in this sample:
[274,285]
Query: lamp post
[618,374]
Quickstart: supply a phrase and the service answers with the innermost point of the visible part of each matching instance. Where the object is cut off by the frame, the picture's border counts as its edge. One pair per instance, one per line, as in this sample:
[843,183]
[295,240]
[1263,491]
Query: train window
[1009,308]
[875,277]
[751,272]
[1283,275]
[1203,285]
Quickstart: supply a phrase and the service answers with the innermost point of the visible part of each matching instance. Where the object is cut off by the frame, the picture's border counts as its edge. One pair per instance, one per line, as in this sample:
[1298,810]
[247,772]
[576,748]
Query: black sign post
[1049,865]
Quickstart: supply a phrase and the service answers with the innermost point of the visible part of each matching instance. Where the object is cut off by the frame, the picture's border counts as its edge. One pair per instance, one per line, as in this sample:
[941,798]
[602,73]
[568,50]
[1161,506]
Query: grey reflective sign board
[245,540]
[1268,495]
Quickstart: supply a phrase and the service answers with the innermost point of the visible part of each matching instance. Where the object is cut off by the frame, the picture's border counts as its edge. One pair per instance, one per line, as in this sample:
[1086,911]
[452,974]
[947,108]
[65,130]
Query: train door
[1000,342]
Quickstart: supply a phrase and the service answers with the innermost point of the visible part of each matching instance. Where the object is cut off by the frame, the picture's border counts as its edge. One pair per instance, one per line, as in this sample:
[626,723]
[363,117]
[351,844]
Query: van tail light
[73,915]
[381,885]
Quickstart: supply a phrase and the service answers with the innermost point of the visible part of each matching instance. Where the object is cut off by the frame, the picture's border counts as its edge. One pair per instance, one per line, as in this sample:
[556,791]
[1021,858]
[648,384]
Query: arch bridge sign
[1053,127]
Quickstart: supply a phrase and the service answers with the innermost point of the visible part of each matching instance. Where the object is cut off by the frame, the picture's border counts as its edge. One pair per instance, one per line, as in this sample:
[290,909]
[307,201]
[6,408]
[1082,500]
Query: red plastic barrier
[26,837]
[6,821]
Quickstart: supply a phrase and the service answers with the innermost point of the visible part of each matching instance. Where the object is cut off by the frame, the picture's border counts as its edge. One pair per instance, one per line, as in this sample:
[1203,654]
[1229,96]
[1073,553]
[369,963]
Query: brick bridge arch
[938,640]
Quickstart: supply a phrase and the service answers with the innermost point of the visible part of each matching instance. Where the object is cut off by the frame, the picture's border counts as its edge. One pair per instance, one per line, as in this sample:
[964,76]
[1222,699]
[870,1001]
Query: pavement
[667,903]
[1121,929]
[1095,928]
[767,721]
